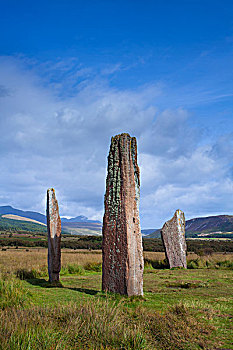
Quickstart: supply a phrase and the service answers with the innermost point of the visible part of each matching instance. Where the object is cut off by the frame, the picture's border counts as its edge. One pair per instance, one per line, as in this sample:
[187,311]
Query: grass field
[181,309]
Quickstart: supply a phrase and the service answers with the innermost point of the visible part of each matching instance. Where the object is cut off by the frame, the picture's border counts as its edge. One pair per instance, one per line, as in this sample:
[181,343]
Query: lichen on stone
[122,243]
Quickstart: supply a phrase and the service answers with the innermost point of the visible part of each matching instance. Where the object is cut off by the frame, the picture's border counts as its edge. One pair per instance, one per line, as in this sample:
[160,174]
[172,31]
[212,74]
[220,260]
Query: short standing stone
[54,236]
[122,240]
[173,236]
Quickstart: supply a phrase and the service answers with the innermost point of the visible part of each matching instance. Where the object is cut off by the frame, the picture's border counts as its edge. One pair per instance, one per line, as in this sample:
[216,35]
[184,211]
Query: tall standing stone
[173,236]
[122,240]
[54,236]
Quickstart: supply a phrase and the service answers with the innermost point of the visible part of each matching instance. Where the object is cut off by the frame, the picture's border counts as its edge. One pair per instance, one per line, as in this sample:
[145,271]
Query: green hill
[219,226]
[18,226]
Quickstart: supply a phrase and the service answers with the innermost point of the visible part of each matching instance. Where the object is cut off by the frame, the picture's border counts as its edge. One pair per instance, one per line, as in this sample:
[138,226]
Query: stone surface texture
[173,236]
[54,236]
[122,241]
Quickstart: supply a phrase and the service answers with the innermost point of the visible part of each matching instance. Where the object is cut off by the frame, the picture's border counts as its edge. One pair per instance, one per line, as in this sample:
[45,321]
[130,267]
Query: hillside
[6,210]
[12,219]
[81,225]
[211,226]
[220,226]
[21,218]
[16,225]
[83,228]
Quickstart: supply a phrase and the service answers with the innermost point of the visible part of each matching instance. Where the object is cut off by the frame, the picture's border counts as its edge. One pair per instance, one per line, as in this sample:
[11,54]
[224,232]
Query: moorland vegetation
[181,309]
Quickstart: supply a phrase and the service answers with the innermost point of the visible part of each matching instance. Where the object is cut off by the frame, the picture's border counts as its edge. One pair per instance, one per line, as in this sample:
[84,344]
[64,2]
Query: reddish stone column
[54,236]
[122,241]
[173,236]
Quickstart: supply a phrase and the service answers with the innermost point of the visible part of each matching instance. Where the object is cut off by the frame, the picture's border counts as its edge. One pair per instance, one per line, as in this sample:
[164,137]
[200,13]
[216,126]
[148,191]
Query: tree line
[197,246]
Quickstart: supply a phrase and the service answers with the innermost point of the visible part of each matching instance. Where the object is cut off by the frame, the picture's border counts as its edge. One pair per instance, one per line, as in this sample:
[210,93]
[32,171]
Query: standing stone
[173,236]
[54,236]
[122,240]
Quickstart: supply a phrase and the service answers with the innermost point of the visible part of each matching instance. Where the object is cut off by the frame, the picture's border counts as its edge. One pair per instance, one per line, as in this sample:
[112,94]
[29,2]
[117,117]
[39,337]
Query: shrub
[97,267]
[226,264]
[147,264]
[72,269]
[191,264]
[210,264]
[196,264]
[157,264]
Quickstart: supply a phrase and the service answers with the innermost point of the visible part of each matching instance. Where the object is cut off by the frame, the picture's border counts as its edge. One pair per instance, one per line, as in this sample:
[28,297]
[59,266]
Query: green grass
[204,295]
[102,324]
[12,292]
[181,309]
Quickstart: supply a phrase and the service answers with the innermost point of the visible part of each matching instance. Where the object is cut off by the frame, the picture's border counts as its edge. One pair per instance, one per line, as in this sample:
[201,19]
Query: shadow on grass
[41,282]
[84,290]
[121,297]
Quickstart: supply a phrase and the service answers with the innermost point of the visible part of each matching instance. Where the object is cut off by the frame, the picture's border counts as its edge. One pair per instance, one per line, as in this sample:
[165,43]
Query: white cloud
[196,183]
[48,140]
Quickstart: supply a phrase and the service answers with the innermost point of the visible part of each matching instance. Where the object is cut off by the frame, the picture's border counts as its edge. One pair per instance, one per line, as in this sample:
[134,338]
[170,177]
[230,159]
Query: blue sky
[74,73]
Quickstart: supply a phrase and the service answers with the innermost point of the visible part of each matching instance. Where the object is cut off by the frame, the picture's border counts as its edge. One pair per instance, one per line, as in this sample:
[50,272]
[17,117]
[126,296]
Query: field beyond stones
[181,309]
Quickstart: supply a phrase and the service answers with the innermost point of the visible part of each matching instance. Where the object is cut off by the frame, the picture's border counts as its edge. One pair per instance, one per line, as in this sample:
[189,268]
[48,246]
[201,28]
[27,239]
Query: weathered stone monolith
[122,240]
[54,236]
[173,236]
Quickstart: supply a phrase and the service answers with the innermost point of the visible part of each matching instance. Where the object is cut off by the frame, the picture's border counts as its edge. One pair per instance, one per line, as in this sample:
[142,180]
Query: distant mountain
[21,218]
[40,217]
[81,225]
[26,214]
[211,226]
[83,228]
[20,224]
[154,234]
[218,225]
[79,218]
[147,231]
